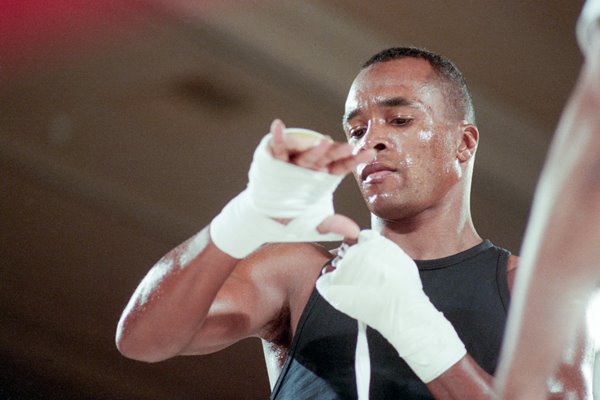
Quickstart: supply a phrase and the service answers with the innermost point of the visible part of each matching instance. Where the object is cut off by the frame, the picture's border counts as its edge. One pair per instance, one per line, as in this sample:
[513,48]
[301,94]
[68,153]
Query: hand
[377,283]
[325,155]
[288,197]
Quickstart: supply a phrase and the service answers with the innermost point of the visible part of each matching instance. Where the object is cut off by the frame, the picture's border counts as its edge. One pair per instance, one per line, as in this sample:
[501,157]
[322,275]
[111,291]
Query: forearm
[464,380]
[386,294]
[172,301]
[559,267]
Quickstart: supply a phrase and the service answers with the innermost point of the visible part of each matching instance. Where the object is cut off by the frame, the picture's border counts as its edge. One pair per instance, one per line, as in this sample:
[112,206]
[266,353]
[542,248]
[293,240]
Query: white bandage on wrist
[279,189]
[276,189]
[428,342]
[377,283]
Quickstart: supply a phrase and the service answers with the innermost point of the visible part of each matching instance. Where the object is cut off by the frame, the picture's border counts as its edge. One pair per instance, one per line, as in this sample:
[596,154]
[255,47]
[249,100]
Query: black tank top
[470,288]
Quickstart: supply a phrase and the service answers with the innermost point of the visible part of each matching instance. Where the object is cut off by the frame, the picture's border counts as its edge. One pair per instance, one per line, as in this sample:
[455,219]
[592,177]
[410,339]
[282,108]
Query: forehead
[410,78]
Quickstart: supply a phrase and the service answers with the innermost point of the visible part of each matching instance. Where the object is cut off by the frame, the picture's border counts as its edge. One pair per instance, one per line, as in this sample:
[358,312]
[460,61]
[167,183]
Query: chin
[387,208]
[394,207]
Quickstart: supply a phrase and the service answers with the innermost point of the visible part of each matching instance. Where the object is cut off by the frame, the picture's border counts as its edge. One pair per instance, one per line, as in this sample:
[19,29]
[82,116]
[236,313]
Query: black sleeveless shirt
[470,288]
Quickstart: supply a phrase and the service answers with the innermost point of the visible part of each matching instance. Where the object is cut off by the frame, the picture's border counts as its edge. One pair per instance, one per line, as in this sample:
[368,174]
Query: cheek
[434,155]
[425,136]
[406,148]
[425,152]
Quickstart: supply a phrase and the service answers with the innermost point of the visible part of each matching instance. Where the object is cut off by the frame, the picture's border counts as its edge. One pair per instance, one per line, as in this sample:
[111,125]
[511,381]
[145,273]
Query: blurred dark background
[126,125]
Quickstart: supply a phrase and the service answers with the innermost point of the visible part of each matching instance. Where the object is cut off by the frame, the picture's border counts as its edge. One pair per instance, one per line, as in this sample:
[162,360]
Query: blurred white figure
[559,272]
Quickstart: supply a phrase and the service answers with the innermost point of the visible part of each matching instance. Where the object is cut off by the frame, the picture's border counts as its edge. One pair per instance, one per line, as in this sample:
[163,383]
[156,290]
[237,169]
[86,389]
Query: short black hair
[454,84]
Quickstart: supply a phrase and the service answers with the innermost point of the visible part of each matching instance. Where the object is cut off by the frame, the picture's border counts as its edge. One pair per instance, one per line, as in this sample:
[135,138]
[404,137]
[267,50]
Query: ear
[468,142]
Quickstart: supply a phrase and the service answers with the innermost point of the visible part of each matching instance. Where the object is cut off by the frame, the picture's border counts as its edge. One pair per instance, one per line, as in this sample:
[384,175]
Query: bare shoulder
[511,270]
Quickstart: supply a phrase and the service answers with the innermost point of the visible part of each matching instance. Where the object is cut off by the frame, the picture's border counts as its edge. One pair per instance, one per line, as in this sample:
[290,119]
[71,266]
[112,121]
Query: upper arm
[275,278]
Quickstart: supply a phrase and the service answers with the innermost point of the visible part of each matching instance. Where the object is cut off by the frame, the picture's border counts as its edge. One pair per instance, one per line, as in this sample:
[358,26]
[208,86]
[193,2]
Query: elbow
[136,348]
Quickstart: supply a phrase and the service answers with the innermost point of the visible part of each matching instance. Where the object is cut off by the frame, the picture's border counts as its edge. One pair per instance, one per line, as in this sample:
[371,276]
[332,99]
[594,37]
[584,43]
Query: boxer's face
[397,108]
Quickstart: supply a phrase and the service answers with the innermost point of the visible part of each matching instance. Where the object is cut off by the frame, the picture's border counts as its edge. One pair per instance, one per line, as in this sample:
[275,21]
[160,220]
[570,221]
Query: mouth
[375,172]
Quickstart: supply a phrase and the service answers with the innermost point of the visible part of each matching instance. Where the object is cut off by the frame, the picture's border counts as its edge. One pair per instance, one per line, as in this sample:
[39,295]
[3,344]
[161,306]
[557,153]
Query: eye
[400,121]
[357,132]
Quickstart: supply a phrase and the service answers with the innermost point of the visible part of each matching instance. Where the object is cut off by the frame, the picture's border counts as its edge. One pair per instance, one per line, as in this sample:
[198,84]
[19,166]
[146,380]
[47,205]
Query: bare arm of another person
[561,255]
[199,298]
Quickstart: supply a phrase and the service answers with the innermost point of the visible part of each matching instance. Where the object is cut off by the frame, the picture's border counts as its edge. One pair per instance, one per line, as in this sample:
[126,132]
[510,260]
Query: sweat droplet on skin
[146,289]
[372,198]
[425,135]
[177,259]
[192,249]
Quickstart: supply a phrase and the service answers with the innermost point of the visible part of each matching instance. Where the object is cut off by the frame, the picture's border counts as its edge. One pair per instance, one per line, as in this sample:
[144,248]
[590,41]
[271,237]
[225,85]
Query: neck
[432,234]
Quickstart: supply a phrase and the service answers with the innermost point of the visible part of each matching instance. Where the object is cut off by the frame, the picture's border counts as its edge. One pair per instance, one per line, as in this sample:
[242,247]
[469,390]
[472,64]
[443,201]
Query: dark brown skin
[220,300]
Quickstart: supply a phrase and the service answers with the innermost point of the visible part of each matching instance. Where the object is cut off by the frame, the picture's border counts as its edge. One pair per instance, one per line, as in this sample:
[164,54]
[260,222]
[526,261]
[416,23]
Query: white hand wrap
[377,283]
[276,189]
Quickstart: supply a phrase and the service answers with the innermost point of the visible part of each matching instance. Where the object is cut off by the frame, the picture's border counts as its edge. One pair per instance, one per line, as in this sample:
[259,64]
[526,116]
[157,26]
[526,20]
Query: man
[560,269]
[412,142]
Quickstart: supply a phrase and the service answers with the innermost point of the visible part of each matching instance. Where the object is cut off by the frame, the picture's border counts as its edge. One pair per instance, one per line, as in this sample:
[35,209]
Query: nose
[375,138]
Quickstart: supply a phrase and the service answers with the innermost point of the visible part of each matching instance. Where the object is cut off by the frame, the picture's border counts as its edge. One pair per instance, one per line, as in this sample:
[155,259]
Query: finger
[335,152]
[277,144]
[340,150]
[309,158]
[341,225]
[346,165]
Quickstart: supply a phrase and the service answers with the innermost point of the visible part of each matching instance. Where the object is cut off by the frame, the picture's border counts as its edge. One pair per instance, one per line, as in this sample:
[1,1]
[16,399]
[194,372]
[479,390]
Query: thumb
[341,225]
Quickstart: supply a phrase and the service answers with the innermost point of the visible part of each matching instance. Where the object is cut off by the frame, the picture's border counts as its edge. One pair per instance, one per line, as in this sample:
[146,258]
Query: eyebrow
[387,103]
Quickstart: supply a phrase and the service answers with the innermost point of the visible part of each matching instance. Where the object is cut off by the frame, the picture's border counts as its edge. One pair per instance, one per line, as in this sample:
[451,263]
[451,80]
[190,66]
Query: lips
[375,172]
